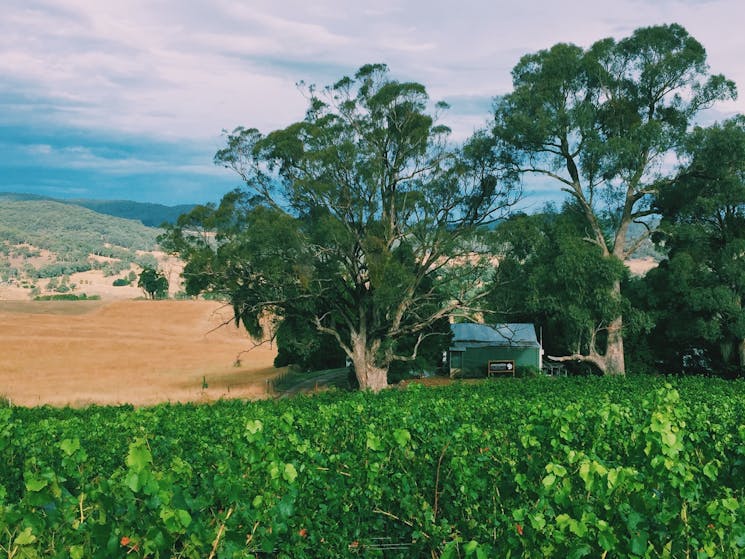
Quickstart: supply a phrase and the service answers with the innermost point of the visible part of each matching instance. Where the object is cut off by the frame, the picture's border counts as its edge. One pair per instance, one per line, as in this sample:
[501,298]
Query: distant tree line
[63,228]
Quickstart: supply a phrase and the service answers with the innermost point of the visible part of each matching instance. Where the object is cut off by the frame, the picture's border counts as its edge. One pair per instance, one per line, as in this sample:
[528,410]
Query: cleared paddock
[139,352]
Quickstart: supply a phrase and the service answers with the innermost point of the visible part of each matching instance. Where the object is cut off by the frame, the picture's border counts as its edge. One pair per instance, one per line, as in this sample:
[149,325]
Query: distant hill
[152,215]
[42,238]
[647,249]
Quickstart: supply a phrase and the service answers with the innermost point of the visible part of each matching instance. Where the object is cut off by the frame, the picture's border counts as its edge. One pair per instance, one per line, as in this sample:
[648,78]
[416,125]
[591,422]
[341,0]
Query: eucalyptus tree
[548,275]
[362,217]
[154,283]
[604,124]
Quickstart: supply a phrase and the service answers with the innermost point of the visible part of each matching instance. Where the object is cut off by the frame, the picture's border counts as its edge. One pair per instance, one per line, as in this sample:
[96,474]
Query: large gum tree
[362,219]
[605,124]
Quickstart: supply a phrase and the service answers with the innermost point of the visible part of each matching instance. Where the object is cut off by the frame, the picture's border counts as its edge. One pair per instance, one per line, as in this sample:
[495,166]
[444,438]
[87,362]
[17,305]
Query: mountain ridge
[147,213]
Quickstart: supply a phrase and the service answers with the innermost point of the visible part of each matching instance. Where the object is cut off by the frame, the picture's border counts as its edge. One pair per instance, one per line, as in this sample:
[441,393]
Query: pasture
[135,351]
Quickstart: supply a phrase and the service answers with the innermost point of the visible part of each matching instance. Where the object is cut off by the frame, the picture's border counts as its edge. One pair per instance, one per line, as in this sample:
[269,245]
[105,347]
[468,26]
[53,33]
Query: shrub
[68,297]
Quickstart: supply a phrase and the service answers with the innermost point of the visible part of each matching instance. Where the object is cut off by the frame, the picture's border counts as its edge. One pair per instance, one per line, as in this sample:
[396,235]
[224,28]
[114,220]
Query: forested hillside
[152,215]
[43,239]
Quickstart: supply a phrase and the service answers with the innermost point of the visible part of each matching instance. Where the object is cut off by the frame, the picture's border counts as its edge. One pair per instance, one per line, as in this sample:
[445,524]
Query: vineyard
[577,467]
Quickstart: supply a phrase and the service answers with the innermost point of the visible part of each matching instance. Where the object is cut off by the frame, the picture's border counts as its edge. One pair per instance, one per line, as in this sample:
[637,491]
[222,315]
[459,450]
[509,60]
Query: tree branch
[325,330]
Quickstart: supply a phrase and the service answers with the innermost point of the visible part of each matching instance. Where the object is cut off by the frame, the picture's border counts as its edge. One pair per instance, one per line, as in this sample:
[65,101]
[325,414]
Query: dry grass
[640,266]
[138,352]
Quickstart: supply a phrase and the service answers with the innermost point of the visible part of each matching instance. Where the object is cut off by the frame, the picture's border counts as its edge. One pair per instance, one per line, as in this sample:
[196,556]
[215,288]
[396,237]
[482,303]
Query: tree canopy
[550,275]
[153,282]
[603,123]
[698,292]
[365,227]
[362,218]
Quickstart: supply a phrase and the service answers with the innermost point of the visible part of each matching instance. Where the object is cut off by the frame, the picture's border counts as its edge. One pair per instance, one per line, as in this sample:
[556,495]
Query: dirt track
[139,352]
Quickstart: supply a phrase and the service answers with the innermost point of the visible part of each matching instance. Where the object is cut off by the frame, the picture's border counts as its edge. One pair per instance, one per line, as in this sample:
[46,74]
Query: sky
[130,99]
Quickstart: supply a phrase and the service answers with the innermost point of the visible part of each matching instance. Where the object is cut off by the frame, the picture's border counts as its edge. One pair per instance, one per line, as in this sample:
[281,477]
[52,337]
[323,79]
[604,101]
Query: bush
[120,282]
[68,297]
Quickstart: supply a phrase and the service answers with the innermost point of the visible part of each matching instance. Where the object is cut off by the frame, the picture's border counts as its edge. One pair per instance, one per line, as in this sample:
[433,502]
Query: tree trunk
[614,360]
[369,375]
[610,363]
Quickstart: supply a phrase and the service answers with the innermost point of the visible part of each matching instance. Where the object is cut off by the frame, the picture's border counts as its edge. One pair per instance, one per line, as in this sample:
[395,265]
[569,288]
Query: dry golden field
[126,351]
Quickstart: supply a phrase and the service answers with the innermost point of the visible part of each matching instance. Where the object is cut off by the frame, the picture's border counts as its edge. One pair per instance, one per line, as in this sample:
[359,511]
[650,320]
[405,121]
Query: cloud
[106,156]
[173,74]
[178,69]
[58,161]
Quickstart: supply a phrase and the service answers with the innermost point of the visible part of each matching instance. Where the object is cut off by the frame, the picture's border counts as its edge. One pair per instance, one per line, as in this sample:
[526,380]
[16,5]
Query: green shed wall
[476,359]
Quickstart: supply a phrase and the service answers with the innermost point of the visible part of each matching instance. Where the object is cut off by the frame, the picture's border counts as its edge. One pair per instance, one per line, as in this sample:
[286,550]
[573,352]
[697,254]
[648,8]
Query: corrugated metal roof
[467,335]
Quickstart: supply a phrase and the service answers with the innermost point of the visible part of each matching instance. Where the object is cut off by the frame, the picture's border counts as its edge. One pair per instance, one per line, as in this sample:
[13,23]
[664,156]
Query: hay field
[134,351]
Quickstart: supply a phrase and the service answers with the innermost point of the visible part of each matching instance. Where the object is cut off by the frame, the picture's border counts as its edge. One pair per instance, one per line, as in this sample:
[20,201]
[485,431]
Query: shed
[482,349]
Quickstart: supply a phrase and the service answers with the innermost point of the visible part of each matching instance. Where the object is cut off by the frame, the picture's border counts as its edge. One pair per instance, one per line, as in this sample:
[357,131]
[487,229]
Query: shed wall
[475,360]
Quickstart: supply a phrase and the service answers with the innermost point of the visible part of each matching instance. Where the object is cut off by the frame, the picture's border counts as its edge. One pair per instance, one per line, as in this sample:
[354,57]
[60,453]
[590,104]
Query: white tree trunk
[614,360]
[369,375]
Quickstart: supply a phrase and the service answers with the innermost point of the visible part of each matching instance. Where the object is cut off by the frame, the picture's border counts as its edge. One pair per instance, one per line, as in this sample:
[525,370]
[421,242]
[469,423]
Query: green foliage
[630,467]
[527,371]
[347,224]
[299,343]
[23,252]
[154,283]
[65,229]
[71,233]
[67,297]
[551,275]
[121,282]
[7,272]
[697,294]
[145,261]
[600,122]
[60,285]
